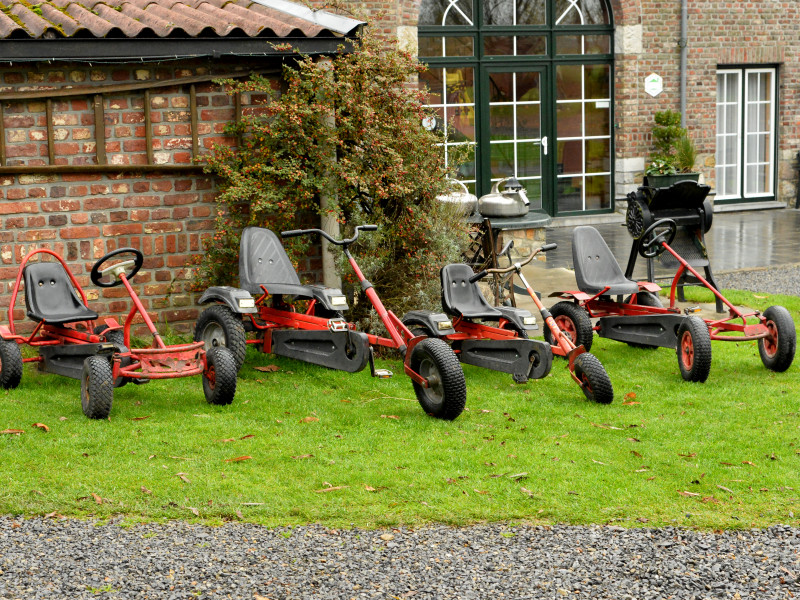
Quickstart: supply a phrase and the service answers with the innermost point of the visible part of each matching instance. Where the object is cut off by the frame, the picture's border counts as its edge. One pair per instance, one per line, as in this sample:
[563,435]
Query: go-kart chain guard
[649,330]
[341,350]
[523,359]
[67,359]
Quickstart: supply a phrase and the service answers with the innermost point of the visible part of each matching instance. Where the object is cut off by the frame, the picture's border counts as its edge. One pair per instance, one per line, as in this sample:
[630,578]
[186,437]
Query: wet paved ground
[736,240]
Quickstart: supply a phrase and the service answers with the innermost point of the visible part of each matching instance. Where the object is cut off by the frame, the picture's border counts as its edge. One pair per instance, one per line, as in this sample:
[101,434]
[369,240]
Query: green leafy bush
[675,151]
[348,130]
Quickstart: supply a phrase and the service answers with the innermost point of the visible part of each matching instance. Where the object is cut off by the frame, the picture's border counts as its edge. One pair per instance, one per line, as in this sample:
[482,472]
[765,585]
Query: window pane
[463,123]
[502,159]
[460,87]
[498,45]
[534,189]
[445,12]
[531,12]
[597,82]
[514,12]
[528,45]
[598,154]
[568,82]
[501,122]
[569,119]
[529,160]
[527,87]
[581,12]
[597,44]
[458,46]
[501,87]
[528,122]
[498,12]
[598,118]
[569,193]
[598,192]
[583,44]
[433,82]
[569,44]
[429,46]
[569,156]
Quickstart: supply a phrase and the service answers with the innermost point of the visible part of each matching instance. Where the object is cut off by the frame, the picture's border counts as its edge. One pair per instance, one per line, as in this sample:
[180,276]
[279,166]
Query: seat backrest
[263,260]
[594,263]
[459,296]
[49,292]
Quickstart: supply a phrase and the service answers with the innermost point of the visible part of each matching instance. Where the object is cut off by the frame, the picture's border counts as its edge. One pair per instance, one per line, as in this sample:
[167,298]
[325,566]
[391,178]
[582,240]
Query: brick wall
[166,213]
[721,33]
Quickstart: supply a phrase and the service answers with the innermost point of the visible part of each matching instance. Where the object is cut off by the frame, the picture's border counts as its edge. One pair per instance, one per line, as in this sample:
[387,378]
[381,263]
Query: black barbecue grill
[686,203]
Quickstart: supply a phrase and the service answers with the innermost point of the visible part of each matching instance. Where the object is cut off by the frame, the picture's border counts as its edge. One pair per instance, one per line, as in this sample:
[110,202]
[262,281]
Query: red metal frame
[159,362]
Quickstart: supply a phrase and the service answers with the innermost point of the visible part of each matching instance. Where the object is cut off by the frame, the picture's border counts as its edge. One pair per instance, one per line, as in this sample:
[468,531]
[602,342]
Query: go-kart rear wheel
[574,322]
[10,364]
[777,350]
[446,394]
[694,349]
[97,387]
[595,383]
[644,298]
[217,326]
[219,378]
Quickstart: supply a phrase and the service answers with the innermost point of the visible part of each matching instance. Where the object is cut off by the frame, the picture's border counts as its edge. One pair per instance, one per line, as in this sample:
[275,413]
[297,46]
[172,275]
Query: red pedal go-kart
[641,320]
[267,304]
[506,347]
[69,343]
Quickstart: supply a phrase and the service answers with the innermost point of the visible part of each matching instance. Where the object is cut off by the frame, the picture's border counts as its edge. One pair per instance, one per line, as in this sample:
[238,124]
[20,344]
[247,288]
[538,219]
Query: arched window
[527,86]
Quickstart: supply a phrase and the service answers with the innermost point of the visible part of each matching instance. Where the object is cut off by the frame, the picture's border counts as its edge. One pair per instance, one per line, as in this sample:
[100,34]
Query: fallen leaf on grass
[248,436]
[690,455]
[12,431]
[518,476]
[140,418]
[97,498]
[526,491]
[226,440]
[689,494]
[724,489]
[605,426]
[727,464]
[629,402]
[42,426]
[332,488]
[636,454]
[267,368]
[145,490]
[598,462]
[179,458]
[710,499]
[195,512]
[395,417]
[630,395]
[484,410]
[747,462]
[484,492]
[634,440]
[309,419]
[302,456]
[238,459]
[183,477]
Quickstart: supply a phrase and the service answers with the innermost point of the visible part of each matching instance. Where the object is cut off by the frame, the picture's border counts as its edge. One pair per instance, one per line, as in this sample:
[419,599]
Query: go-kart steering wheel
[650,248]
[97,272]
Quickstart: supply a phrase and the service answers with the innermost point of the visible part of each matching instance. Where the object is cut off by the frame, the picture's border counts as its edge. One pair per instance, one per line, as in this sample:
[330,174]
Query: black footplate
[647,330]
[524,359]
[340,350]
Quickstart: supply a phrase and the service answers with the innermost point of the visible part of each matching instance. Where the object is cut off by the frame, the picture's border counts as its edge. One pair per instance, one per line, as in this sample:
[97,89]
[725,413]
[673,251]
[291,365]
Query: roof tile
[145,18]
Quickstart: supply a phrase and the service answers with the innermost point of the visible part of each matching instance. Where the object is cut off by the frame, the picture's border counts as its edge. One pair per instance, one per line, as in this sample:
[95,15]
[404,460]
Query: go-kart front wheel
[777,350]
[219,378]
[10,364]
[694,350]
[217,326]
[594,380]
[574,322]
[97,387]
[446,394]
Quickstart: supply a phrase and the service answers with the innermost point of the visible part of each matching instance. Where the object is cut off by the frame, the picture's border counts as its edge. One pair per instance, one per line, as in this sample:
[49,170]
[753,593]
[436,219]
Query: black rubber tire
[218,326]
[97,387]
[777,352]
[10,364]
[573,321]
[595,382]
[116,337]
[434,360]
[644,298]
[694,350]
[219,379]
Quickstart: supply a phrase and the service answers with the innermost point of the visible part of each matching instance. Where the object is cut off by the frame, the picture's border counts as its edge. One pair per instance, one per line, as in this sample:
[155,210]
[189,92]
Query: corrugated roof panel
[164,18]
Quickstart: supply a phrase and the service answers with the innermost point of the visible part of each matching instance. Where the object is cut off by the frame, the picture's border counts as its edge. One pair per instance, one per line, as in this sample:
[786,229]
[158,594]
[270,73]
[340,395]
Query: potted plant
[675,154]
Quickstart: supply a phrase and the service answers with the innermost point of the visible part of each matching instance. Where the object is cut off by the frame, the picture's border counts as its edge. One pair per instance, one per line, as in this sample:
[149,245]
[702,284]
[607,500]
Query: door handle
[544,145]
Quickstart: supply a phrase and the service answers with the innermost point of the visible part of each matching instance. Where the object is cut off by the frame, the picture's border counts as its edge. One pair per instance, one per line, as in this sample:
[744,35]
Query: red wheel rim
[567,327]
[211,375]
[586,385]
[687,350]
[771,341]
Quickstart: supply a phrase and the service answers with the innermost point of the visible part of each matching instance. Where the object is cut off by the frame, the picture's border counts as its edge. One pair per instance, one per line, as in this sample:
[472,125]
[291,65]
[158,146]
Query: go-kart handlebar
[515,266]
[327,236]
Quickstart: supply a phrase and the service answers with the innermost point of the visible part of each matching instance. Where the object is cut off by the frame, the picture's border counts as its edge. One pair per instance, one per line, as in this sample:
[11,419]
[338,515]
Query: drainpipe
[682,43]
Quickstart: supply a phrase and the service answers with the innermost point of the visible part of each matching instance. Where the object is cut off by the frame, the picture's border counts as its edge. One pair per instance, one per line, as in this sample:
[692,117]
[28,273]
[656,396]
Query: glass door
[513,105]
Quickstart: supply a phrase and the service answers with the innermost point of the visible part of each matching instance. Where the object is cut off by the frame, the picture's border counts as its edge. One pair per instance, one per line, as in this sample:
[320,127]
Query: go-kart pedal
[379,373]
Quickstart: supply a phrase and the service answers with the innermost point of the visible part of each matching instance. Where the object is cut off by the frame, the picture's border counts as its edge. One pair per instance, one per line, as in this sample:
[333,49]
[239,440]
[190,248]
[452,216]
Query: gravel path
[771,280]
[48,558]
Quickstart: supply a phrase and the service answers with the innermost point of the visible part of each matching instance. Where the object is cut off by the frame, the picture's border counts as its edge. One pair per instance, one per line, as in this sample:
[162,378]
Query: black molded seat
[50,297]
[595,265]
[462,298]
[263,261]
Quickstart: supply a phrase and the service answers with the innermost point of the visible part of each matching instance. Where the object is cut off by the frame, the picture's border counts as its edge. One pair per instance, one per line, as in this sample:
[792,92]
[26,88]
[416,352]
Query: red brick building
[551,91]
[146,71]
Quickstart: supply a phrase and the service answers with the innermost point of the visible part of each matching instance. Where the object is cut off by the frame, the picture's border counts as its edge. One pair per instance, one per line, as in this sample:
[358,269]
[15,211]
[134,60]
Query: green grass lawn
[327,447]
